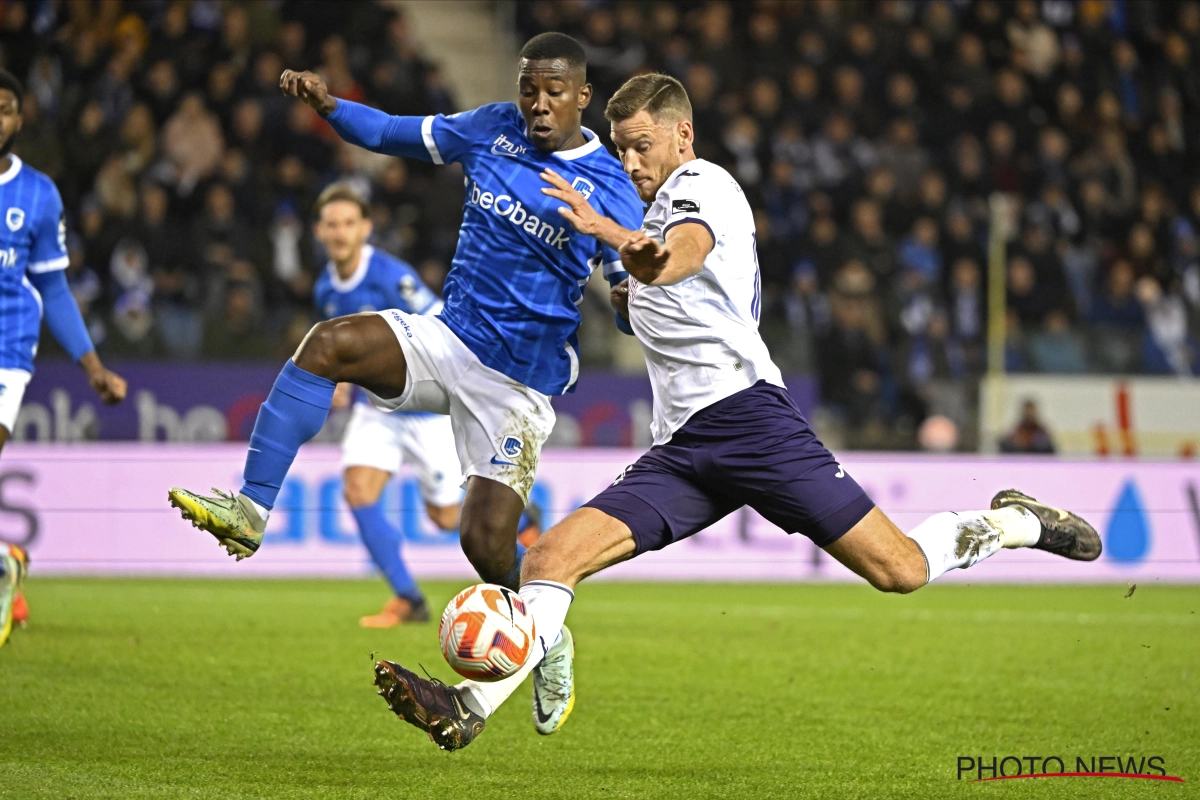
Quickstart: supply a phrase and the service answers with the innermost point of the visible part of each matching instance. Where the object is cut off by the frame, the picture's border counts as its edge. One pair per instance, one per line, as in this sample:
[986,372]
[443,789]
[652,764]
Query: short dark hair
[551,45]
[10,82]
[338,192]
[661,95]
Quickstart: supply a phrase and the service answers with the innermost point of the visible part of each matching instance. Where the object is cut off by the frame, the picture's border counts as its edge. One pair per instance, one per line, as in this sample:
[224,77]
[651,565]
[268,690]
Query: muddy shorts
[499,425]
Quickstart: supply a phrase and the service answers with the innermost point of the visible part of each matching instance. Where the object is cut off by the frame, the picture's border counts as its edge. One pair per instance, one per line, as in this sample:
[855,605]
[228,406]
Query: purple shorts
[753,448]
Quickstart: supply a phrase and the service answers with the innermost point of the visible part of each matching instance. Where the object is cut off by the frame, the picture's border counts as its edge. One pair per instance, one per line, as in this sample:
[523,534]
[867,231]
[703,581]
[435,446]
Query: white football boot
[554,686]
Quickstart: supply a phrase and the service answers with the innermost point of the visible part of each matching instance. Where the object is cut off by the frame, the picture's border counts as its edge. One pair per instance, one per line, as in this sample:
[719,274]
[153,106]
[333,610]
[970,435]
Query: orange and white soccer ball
[486,632]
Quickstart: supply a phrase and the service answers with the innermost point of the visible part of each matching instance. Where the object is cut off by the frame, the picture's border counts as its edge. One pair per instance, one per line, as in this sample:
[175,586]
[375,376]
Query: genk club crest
[15,218]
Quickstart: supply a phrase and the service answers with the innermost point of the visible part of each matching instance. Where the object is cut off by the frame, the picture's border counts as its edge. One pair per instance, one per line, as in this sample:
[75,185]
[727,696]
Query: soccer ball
[486,632]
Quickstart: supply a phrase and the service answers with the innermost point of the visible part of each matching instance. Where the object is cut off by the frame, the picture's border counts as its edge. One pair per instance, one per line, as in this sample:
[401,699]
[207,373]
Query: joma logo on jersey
[503,147]
[504,206]
[8,258]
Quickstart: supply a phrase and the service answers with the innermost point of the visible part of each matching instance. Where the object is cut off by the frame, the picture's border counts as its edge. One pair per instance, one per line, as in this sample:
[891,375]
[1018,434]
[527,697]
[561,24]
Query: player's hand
[108,385]
[578,211]
[644,258]
[619,297]
[309,87]
[341,395]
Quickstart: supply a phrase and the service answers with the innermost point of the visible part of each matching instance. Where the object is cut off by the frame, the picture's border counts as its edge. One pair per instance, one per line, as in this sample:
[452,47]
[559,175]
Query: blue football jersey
[518,275]
[380,281]
[32,240]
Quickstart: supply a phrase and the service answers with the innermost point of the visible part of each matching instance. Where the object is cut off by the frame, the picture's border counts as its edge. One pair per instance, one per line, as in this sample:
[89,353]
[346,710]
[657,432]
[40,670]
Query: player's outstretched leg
[893,562]
[359,349]
[430,705]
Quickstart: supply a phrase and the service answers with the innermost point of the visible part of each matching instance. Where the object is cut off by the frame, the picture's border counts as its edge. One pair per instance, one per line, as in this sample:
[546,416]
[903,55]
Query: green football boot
[554,686]
[231,518]
[11,572]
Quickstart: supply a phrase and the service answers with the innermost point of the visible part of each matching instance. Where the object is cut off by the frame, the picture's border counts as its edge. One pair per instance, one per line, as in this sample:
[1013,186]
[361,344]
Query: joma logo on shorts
[504,206]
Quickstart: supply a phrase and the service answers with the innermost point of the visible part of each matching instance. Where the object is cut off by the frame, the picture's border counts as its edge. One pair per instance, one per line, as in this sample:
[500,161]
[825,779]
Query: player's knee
[899,578]
[358,494]
[444,517]
[329,347]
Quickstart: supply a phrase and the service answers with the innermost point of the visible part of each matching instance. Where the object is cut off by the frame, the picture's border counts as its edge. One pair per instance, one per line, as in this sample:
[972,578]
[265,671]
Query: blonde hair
[661,95]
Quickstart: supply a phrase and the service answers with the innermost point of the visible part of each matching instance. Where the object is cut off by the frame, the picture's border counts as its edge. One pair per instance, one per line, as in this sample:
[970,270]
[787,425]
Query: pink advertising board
[101,509]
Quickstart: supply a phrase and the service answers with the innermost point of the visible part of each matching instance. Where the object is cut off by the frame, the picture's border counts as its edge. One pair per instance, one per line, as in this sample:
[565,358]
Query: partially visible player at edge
[726,432]
[33,285]
[361,278]
[506,338]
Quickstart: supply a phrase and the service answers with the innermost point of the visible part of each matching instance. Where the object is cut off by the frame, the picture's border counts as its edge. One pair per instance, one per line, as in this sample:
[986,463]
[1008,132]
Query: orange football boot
[398,611]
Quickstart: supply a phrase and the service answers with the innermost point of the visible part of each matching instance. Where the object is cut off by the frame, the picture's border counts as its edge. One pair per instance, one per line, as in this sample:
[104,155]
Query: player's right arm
[442,140]
[678,258]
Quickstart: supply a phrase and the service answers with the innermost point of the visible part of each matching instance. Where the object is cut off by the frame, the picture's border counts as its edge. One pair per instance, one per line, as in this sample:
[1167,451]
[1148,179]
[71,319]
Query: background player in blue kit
[33,285]
[506,339]
[359,278]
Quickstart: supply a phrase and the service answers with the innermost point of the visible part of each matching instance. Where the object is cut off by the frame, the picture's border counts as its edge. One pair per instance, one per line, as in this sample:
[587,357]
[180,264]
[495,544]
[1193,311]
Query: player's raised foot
[1063,533]
[429,704]
[554,686]
[231,518]
[398,611]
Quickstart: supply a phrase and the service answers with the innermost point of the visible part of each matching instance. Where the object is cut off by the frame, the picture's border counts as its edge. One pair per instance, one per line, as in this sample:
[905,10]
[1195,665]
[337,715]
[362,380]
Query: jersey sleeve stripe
[695,220]
[430,144]
[612,267]
[62,262]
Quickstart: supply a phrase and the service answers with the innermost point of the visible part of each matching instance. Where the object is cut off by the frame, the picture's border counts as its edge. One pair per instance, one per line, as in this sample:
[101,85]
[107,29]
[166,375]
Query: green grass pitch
[156,688]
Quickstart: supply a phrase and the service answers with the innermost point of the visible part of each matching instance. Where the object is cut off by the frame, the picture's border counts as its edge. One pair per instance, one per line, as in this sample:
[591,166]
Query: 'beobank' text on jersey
[33,240]
[379,282]
[519,270]
[700,336]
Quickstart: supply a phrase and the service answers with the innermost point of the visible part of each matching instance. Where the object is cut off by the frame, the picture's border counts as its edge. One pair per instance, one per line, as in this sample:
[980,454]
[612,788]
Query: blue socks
[294,413]
[382,539]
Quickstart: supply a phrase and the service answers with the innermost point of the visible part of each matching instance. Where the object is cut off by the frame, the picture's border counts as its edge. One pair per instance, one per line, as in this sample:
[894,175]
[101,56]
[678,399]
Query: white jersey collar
[344,285]
[591,146]
[13,169]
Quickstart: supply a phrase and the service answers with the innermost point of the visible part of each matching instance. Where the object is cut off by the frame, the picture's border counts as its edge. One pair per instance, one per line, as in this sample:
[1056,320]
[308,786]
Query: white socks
[959,539]
[548,604]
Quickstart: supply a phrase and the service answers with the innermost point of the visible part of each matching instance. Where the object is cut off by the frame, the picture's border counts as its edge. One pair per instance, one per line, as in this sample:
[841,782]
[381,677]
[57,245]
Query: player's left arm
[47,272]
[680,257]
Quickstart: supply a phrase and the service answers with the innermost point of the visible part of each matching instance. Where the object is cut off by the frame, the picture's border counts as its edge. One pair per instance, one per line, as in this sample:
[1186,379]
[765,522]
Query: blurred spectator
[868,137]
[1029,436]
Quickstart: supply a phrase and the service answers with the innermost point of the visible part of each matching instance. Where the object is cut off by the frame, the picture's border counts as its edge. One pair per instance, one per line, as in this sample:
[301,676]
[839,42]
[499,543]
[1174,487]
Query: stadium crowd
[869,137]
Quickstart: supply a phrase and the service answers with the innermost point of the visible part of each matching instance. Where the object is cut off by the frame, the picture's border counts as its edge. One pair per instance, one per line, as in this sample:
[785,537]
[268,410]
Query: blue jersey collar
[15,167]
[360,272]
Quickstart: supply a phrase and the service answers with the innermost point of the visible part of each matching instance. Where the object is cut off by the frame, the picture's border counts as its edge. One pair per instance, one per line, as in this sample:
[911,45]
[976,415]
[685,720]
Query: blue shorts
[753,448]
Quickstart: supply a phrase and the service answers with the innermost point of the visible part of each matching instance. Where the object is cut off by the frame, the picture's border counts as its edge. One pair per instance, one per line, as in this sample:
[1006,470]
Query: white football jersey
[700,335]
